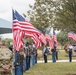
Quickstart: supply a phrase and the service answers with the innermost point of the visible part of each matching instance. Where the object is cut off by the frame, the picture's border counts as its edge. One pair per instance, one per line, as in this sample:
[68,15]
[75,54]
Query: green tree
[60,14]
[41,14]
[8,41]
[62,38]
[65,15]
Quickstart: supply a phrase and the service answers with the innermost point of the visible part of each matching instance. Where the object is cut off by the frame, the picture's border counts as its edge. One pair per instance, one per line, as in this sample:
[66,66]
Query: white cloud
[5,9]
[4,6]
[7,15]
[22,6]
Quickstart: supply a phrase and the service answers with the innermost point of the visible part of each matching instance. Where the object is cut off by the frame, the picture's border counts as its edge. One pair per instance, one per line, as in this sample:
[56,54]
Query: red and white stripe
[54,38]
[24,26]
[17,39]
[19,28]
[42,38]
[34,37]
[49,40]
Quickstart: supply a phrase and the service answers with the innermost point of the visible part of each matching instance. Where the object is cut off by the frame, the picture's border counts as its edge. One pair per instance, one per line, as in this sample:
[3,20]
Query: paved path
[42,61]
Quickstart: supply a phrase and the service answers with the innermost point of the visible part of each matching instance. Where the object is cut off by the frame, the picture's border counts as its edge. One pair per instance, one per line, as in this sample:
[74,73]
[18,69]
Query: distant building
[5,26]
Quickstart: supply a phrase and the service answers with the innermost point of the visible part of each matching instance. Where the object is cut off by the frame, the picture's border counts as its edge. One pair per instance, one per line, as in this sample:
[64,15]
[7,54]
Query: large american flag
[18,34]
[34,37]
[21,28]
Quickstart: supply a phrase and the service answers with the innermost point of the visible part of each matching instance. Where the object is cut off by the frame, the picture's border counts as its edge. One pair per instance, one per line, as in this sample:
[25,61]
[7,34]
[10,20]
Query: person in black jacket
[70,49]
[45,53]
[54,53]
[27,53]
[18,64]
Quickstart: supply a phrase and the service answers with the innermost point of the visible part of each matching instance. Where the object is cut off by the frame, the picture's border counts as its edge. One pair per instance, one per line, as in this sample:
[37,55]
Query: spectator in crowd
[34,53]
[11,46]
[27,53]
[32,58]
[45,53]
[54,53]
[70,49]
[18,64]
[57,51]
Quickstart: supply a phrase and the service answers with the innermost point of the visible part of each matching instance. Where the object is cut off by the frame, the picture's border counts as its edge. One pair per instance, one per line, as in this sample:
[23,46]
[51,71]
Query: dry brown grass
[39,52]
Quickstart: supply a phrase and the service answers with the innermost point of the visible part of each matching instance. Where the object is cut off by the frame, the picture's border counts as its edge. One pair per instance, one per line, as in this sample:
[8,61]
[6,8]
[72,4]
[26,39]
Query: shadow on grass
[72,56]
[70,74]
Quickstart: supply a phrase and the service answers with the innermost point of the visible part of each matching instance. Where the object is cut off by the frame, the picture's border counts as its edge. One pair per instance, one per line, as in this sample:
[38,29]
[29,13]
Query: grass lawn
[62,55]
[52,69]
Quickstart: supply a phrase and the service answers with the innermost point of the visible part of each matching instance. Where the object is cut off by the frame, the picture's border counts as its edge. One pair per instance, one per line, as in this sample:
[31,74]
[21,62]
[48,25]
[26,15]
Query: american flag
[35,38]
[54,38]
[49,40]
[74,38]
[42,38]
[71,34]
[37,41]
[17,35]
[22,26]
